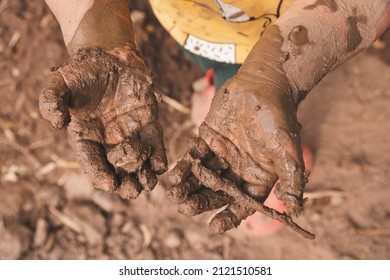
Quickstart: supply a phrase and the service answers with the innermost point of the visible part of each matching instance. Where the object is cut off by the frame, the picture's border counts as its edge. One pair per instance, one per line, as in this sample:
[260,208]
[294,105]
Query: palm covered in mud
[112,113]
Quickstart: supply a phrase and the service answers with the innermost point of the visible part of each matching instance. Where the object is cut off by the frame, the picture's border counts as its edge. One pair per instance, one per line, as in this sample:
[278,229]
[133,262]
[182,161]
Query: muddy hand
[110,109]
[249,138]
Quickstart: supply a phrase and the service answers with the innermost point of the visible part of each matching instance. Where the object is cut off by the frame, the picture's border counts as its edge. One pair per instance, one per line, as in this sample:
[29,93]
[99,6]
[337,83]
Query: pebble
[10,246]
[173,239]
[117,221]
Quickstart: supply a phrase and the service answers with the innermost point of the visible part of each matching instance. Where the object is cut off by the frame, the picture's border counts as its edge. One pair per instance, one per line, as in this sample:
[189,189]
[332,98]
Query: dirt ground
[49,209]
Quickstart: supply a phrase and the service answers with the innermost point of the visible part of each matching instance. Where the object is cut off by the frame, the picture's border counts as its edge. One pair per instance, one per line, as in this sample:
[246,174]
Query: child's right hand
[251,138]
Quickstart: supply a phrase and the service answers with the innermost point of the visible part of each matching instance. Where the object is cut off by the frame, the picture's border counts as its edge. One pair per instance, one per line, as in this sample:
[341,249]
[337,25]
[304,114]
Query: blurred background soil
[49,209]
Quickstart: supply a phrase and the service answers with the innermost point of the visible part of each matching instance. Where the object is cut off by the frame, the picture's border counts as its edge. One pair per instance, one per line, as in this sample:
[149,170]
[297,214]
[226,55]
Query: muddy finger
[182,191]
[92,157]
[229,218]
[181,171]
[203,201]
[147,178]
[129,187]
[53,101]
[258,192]
[129,155]
[293,177]
[153,135]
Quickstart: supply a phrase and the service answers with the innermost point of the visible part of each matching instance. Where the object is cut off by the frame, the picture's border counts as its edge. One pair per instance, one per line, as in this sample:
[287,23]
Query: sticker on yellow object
[232,13]
[219,52]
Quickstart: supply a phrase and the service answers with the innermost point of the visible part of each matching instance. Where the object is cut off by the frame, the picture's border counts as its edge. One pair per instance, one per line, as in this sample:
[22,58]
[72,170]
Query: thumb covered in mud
[53,101]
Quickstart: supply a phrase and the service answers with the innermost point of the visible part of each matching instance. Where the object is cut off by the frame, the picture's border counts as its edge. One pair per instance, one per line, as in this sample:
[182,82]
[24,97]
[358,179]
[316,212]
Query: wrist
[263,68]
[102,24]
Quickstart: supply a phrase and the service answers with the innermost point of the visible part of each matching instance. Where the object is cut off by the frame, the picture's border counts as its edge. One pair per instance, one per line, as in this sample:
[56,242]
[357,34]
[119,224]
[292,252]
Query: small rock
[15,72]
[11,175]
[117,221]
[10,246]
[173,239]
[127,227]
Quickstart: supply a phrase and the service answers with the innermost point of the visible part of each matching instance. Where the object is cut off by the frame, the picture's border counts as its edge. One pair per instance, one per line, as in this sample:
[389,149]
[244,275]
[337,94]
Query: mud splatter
[299,35]
[353,36]
[331,4]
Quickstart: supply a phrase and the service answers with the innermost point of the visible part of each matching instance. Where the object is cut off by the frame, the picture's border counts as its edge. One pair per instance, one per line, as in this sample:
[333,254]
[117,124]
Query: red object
[259,225]
[210,76]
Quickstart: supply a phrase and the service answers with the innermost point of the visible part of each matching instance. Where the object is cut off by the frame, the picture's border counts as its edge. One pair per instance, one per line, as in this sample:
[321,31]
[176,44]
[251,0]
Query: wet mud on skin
[114,126]
[353,36]
[106,25]
[331,4]
[198,189]
[228,155]
[299,36]
[345,119]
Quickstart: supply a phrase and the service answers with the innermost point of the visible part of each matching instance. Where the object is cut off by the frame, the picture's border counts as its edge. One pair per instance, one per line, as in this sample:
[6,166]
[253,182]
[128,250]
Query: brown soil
[49,209]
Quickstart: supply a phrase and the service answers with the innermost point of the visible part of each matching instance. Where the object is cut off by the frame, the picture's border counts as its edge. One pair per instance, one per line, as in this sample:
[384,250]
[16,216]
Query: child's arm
[314,36]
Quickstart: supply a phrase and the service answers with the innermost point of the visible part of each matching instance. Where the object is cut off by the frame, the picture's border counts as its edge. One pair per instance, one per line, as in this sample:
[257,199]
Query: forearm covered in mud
[310,39]
[93,23]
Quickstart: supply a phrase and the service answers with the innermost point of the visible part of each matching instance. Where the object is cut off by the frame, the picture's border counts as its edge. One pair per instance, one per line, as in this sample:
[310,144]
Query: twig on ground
[65,220]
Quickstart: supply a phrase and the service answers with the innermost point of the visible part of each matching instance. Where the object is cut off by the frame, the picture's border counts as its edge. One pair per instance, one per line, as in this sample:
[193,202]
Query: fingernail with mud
[221,223]
[106,182]
[130,188]
[159,165]
[180,192]
[180,172]
[147,178]
[60,121]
